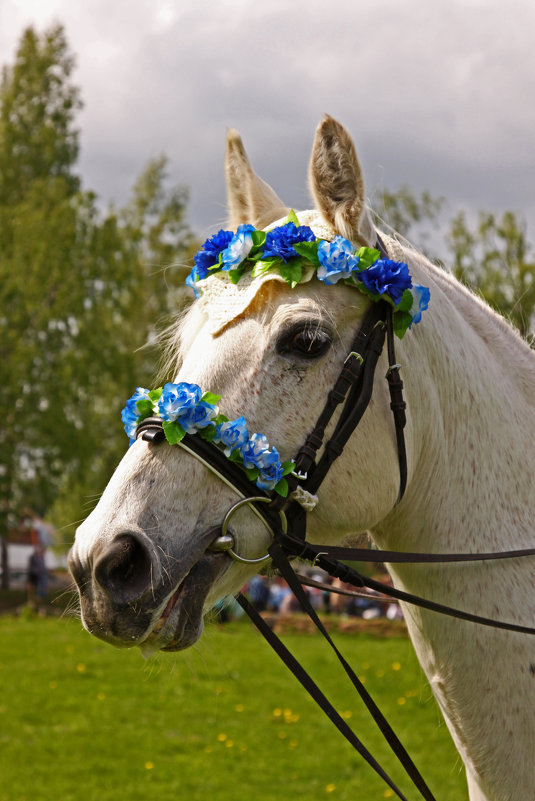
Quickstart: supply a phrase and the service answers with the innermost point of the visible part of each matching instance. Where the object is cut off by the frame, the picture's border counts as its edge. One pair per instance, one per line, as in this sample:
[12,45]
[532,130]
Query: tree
[496,259]
[80,292]
[411,215]
[38,107]
[493,257]
[154,222]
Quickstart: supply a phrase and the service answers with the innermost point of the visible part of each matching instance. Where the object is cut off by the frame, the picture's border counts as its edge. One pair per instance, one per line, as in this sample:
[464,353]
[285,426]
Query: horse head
[271,349]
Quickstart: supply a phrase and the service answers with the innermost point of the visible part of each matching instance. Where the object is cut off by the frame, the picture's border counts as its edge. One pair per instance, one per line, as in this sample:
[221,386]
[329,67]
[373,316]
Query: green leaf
[405,304]
[263,266]
[367,256]
[292,218]
[308,250]
[252,473]
[209,397]
[401,321]
[236,457]
[155,394]
[174,433]
[292,272]
[144,407]
[287,467]
[258,237]
[282,488]
[207,433]
[236,274]
[309,271]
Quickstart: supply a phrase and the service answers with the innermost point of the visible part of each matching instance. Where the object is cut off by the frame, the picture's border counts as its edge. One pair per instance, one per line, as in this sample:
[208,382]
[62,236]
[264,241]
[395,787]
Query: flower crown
[295,253]
[184,409]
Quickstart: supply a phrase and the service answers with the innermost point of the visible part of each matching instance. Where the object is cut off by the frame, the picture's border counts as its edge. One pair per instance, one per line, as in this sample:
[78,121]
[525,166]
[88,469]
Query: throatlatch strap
[397,404]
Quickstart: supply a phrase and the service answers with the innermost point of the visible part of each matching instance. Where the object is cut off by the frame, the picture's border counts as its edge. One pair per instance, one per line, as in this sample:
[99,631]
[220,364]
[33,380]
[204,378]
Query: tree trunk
[4,563]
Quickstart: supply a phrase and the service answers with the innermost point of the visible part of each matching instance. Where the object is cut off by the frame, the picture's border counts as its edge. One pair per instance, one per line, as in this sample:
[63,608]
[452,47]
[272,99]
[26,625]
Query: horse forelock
[180,336]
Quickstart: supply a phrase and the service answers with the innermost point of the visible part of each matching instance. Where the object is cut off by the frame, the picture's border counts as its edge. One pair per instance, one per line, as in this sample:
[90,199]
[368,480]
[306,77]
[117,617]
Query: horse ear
[336,183]
[250,199]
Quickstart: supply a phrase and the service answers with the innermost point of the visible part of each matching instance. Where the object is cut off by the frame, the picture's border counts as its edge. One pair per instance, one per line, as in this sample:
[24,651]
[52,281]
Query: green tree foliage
[414,216]
[38,107]
[495,258]
[80,292]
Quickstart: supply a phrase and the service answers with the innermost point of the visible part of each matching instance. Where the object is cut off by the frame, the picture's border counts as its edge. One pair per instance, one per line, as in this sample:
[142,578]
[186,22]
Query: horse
[142,559]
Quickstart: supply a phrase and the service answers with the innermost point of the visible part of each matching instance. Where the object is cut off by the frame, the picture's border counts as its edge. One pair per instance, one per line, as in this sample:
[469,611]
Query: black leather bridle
[286,519]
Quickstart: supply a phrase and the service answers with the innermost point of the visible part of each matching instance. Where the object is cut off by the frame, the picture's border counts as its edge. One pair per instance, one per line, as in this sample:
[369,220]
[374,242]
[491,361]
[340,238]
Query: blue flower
[177,400]
[208,255]
[387,277]
[337,260]
[253,449]
[271,470]
[197,417]
[233,434]
[130,415]
[256,453]
[238,248]
[420,302]
[280,241]
[191,280]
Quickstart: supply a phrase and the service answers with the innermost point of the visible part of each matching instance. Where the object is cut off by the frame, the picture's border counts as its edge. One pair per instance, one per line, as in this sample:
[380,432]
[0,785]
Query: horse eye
[307,343]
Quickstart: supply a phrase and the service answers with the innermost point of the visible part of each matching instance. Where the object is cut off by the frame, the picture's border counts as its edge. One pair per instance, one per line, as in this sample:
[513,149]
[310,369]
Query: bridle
[285,518]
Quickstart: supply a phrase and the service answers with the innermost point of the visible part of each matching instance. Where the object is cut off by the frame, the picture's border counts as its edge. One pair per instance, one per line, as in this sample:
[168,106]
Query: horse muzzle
[131,594]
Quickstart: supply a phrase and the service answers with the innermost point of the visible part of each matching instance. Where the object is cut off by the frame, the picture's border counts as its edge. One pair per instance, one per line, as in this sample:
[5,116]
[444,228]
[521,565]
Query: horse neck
[469,383]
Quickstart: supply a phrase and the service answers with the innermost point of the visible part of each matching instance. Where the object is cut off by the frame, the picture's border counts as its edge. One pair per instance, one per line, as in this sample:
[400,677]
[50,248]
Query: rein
[285,518]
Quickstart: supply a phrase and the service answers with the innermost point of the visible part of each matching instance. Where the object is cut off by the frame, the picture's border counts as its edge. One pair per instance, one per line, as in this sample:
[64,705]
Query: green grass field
[225,721]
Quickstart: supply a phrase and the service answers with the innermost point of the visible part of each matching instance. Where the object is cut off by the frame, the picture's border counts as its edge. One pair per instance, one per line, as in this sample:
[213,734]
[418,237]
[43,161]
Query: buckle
[357,356]
[391,369]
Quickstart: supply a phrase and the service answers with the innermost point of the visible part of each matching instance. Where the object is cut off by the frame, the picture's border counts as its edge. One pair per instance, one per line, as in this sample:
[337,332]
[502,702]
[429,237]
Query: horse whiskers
[73,608]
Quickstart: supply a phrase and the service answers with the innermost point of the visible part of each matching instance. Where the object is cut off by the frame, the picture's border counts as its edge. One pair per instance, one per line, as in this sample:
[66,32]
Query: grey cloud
[437,96]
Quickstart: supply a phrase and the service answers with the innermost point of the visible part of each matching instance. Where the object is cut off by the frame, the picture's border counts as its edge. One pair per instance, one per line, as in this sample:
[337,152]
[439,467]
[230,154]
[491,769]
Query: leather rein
[286,521]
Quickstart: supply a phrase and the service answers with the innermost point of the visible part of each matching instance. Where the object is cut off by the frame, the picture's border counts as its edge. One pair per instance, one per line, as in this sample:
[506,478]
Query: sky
[439,96]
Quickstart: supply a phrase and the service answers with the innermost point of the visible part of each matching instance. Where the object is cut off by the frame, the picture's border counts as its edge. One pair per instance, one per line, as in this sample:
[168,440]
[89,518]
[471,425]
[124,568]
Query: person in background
[41,533]
[259,592]
[37,583]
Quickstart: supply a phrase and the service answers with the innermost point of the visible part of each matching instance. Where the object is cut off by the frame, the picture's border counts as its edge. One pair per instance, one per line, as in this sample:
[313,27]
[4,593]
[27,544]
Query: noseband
[285,518]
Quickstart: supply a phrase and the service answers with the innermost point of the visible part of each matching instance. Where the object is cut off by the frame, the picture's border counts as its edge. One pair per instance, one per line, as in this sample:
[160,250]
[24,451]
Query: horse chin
[168,617]
[182,620]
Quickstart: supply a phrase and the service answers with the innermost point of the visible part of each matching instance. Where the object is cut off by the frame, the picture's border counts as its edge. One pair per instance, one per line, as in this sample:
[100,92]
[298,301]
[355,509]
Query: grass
[225,721]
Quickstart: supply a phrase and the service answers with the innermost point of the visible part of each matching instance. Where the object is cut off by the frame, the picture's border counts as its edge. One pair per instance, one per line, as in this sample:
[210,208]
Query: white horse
[141,560]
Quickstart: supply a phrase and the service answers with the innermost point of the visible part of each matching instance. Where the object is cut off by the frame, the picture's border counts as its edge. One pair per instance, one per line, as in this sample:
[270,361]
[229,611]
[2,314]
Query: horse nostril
[124,569]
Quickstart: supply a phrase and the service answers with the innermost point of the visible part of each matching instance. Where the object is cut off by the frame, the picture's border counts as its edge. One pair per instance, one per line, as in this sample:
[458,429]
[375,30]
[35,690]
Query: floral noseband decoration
[184,409]
[294,252]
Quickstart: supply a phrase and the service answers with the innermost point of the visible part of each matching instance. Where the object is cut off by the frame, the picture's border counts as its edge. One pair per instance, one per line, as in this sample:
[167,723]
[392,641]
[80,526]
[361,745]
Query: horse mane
[170,340]
[498,333]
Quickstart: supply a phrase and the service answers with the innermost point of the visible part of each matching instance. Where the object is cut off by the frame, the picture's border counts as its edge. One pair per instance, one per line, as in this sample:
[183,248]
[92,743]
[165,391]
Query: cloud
[437,96]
